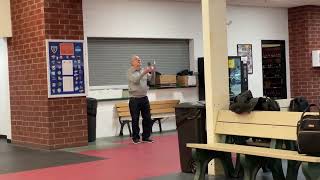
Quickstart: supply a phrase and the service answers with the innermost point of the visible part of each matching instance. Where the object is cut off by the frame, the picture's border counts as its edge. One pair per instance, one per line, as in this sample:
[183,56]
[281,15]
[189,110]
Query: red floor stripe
[130,162]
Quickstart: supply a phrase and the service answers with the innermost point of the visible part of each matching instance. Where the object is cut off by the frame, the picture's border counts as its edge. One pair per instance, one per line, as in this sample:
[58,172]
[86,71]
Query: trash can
[91,117]
[191,127]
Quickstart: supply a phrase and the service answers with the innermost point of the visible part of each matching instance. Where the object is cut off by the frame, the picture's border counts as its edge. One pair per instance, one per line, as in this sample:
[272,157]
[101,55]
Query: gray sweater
[137,83]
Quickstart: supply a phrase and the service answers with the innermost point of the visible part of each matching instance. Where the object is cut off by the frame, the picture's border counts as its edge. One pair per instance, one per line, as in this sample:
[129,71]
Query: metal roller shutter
[109,59]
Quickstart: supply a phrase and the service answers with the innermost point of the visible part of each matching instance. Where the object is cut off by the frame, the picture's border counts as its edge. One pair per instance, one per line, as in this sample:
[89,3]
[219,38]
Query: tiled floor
[16,159]
[106,159]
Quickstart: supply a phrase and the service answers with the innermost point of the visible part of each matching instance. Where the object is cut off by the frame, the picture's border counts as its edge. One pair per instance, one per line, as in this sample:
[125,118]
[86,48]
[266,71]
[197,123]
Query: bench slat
[152,106]
[162,115]
[263,124]
[125,104]
[165,102]
[254,130]
[123,109]
[153,111]
[257,151]
[122,104]
[261,117]
[158,111]
[123,114]
[162,106]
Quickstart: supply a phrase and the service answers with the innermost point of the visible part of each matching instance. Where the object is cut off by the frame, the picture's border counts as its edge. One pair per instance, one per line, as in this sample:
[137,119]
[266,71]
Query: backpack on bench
[299,104]
[267,104]
[245,102]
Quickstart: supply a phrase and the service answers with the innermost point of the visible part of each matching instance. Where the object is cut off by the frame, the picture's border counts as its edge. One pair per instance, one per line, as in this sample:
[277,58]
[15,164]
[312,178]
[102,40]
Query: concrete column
[5,19]
[215,66]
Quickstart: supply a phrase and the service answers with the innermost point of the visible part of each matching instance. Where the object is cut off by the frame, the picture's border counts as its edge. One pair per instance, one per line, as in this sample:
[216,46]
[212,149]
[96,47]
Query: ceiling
[268,3]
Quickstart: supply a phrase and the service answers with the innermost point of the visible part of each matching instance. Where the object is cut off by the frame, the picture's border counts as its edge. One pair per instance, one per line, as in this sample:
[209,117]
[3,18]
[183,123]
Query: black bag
[308,132]
[243,102]
[267,104]
[298,104]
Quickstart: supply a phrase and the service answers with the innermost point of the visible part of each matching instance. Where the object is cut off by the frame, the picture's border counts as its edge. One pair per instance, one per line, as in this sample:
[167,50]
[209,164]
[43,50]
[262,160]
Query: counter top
[125,95]
[166,87]
[113,99]
[169,87]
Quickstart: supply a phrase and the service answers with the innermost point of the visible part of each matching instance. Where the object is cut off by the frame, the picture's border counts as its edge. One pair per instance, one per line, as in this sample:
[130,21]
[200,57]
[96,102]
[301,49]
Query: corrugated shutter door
[109,59]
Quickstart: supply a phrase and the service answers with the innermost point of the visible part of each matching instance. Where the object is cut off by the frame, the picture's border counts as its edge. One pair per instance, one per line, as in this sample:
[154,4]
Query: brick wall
[63,20]
[304,36]
[36,120]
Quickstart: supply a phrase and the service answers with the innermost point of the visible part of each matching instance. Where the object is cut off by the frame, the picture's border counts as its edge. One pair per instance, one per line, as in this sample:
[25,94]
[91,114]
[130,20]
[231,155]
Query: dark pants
[136,106]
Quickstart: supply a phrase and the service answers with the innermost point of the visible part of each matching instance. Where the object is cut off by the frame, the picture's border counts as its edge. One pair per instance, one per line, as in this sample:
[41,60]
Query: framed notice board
[66,68]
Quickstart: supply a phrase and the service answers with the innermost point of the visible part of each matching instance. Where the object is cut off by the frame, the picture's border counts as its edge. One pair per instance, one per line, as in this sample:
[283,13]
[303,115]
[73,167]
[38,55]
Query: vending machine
[238,76]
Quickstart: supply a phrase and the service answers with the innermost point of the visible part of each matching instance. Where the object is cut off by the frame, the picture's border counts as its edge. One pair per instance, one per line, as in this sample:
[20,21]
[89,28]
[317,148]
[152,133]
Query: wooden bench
[159,110]
[280,127]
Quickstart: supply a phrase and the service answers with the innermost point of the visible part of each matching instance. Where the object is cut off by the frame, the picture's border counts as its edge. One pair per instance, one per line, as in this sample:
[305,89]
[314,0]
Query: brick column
[304,30]
[36,120]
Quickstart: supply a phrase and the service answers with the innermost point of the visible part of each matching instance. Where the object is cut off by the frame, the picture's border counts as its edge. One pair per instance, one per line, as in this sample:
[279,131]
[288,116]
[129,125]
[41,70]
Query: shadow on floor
[15,158]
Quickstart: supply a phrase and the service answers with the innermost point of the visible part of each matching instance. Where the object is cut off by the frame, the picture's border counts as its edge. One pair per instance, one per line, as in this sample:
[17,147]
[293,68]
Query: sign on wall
[66,68]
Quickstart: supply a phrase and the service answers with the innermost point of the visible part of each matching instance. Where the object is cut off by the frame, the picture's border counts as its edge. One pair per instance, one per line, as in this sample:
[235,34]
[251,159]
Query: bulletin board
[66,68]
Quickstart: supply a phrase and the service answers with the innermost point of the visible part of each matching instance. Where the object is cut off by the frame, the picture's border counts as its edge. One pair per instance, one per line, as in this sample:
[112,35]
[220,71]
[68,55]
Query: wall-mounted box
[316,58]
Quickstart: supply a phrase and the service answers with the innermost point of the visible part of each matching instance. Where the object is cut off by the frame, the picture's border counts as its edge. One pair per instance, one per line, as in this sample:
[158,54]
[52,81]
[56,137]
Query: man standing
[139,101]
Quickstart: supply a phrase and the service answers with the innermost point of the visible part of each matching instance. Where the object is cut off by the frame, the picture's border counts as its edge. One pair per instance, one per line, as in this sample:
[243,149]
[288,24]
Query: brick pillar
[36,120]
[304,30]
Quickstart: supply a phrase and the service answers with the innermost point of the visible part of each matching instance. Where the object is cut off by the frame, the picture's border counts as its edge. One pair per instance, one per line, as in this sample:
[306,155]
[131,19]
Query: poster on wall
[66,68]
[245,51]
